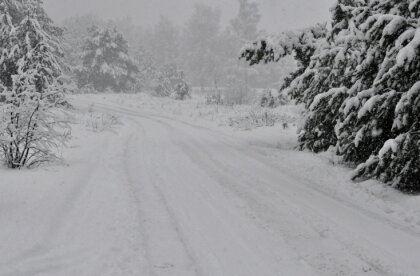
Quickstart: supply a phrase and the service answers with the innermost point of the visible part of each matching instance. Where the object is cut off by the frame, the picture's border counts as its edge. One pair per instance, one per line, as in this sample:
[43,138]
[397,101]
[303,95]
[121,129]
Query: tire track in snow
[198,153]
[214,205]
[155,267]
[230,142]
[303,180]
[225,175]
[304,188]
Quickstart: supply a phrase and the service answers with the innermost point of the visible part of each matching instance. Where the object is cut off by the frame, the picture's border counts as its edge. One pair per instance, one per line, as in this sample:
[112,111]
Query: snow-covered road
[168,197]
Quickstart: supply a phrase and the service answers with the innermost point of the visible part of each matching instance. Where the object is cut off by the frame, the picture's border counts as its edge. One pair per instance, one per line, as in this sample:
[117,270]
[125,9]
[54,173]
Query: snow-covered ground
[158,187]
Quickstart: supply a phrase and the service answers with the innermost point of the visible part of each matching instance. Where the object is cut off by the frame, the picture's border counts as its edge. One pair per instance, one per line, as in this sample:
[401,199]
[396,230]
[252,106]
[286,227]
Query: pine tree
[31,90]
[106,61]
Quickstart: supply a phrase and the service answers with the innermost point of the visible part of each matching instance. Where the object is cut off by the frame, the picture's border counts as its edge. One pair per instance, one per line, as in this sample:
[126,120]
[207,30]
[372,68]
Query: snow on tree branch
[272,49]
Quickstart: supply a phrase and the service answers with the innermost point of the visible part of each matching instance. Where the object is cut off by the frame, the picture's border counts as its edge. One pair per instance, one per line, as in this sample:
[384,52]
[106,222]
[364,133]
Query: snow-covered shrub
[96,121]
[31,125]
[101,122]
[31,129]
[87,89]
[361,85]
[214,98]
[106,62]
[254,117]
[266,99]
[171,82]
[282,99]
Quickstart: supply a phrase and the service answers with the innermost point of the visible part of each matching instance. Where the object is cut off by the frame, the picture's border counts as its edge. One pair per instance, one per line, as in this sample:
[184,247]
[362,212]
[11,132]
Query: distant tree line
[203,52]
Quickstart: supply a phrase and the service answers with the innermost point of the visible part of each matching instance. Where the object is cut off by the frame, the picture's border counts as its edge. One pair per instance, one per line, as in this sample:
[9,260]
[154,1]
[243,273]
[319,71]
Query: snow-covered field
[153,186]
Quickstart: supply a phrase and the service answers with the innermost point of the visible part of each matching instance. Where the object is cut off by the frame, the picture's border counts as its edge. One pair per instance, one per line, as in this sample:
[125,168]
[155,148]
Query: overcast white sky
[278,15]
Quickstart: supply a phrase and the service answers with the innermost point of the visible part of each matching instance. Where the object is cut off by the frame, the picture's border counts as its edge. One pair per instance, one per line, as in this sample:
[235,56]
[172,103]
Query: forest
[357,76]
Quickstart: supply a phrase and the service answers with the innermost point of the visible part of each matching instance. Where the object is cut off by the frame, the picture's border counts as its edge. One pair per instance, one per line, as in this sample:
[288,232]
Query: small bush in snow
[97,121]
[258,117]
[171,82]
[216,99]
[267,99]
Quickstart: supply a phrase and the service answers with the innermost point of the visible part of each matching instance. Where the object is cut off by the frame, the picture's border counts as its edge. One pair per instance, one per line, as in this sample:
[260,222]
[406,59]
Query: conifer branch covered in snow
[302,45]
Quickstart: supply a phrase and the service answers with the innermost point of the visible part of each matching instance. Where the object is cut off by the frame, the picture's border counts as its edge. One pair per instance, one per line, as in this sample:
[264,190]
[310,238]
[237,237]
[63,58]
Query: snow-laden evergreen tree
[30,89]
[361,88]
[106,61]
[75,33]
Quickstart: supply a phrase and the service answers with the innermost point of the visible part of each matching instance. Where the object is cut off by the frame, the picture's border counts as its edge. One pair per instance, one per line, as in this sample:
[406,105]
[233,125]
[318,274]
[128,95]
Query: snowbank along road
[168,197]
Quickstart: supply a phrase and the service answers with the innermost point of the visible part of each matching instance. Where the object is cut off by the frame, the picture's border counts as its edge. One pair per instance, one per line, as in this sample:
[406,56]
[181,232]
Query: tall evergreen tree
[106,61]
[31,90]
